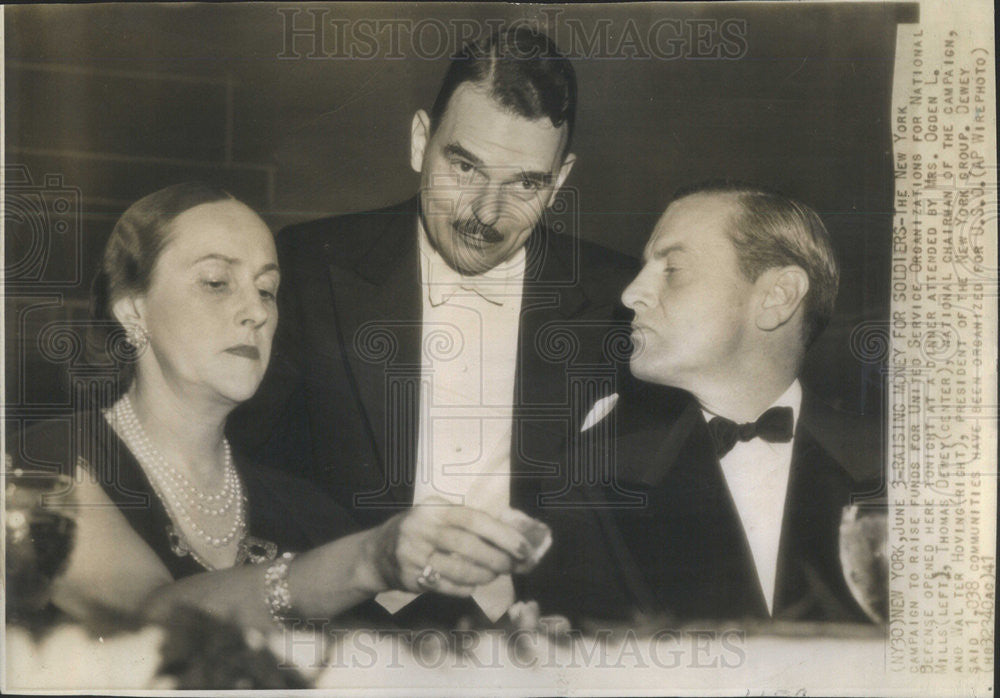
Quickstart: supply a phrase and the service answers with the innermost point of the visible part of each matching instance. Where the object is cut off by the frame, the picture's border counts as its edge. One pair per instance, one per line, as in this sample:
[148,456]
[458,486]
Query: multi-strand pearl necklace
[178,494]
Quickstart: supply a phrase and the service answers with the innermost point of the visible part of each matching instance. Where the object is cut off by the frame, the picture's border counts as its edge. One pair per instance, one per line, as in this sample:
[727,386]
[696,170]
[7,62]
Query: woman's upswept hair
[130,256]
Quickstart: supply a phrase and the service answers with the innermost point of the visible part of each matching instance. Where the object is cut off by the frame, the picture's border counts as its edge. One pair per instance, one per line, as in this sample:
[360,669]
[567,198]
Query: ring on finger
[429,577]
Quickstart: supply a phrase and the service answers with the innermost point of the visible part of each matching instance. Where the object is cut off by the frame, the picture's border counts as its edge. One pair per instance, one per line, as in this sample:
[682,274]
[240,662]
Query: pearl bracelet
[277,594]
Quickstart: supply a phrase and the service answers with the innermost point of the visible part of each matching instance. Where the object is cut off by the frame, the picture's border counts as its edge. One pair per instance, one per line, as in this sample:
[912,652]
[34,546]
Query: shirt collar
[792,397]
[496,285]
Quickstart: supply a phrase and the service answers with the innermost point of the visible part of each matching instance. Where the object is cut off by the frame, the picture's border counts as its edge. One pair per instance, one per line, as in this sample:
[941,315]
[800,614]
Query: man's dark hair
[773,230]
[524,72]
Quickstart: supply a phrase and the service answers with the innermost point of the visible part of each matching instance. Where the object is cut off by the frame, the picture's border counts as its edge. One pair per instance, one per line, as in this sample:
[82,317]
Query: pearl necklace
[175,490]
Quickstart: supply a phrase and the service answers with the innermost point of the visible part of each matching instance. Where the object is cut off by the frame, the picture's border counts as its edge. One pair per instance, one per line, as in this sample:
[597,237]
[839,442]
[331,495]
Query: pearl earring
[137,336]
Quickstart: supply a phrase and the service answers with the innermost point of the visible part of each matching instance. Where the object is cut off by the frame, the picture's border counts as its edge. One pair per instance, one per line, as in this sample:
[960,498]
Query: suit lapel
[550,297]
[810,583]
[378,306]
[685,552]
[706,540]
[656,425]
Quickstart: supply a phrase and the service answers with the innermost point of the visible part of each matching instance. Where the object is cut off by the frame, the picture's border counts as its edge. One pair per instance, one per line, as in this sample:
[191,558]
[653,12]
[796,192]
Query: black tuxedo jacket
[340,399]
[682,554]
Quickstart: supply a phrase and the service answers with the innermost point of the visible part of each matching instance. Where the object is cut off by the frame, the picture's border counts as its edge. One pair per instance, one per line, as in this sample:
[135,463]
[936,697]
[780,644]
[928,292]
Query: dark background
[106,103]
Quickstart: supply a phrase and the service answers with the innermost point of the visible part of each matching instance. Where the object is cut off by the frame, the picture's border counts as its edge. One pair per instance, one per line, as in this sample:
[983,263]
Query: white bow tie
[495,285]
[493,290]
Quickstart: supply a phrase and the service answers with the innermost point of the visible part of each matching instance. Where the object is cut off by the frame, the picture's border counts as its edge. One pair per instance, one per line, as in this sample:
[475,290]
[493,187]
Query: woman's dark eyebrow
[270,266]
[215,255]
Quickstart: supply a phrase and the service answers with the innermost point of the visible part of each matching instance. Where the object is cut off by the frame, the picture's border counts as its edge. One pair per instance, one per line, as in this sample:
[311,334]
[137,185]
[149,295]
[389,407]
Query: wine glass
[864,559]
[39,531]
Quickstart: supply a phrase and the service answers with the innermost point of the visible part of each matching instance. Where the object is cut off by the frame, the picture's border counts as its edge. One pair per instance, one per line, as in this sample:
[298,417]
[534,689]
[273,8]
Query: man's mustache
[475,229]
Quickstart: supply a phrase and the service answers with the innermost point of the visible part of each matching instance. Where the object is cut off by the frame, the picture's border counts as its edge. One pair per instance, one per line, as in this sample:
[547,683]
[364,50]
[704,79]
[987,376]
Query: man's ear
[128,310]
[784,289]
[420,133]
[564,170]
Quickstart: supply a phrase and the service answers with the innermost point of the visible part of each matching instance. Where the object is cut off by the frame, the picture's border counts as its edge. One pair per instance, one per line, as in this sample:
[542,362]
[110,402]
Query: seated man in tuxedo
[417,353]
[744,484]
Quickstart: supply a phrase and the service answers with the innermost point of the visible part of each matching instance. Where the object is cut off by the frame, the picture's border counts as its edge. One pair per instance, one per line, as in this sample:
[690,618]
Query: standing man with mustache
[424,351]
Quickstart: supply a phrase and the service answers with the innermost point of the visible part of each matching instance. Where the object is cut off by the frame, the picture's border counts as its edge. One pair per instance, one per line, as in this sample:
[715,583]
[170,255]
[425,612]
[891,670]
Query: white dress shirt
[756,473]
[469,359]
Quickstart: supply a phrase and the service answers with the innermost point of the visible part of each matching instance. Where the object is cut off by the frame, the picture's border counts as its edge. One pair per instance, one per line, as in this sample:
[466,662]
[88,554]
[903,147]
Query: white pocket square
[599,411]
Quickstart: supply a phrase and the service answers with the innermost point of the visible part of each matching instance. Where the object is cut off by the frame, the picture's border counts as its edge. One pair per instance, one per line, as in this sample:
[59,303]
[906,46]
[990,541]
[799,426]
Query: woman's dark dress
[280,508]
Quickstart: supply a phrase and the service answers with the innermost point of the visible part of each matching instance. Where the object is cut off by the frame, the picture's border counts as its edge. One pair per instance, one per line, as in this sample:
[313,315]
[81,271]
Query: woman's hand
[464,547]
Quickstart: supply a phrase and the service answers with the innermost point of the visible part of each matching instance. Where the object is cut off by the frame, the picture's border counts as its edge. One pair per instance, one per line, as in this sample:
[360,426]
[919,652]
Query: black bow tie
[776,424]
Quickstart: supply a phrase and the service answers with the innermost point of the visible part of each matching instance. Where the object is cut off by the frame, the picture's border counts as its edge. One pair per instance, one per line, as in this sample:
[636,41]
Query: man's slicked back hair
[523,71]
[773,230]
